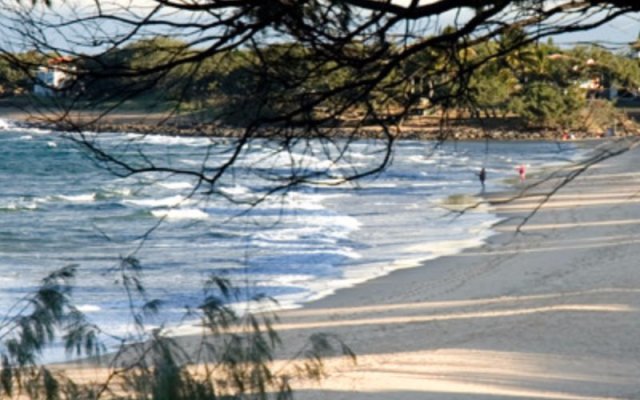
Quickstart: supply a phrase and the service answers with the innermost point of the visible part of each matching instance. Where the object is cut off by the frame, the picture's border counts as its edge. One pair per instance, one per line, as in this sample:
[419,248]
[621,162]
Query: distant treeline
[541,83]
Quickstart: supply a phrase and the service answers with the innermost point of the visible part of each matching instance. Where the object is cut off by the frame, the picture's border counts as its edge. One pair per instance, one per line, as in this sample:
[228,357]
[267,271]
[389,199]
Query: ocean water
[57,207]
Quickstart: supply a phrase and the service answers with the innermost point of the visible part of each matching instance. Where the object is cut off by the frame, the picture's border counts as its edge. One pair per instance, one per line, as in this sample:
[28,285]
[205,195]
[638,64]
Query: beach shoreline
[515,318]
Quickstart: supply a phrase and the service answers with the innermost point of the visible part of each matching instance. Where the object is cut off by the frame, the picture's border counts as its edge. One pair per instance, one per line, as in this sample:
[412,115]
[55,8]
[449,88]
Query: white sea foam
[284,279]
[88,308]
[283,159]
[191,162]
[79,198]
[166,140]
[327,229]
[437,248]
[20,204]
[336,223]
[235,190]
[124,192]
[299,201]
[437,184]
[291,235]
[172,201]
[181,214]
[422,160]
[382,185]
[362,156]
[303,201]
[29,132]
[5,124]
[176,185]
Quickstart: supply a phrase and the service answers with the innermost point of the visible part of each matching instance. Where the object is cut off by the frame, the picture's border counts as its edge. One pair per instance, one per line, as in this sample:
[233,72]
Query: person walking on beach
[522,171]
[482,175]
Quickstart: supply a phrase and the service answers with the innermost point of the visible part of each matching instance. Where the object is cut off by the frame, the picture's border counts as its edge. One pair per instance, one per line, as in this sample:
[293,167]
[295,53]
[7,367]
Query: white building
[50,79]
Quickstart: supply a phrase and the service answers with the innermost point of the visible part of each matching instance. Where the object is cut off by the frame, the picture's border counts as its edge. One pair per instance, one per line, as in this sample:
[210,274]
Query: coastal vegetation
[540,85]
[234,358]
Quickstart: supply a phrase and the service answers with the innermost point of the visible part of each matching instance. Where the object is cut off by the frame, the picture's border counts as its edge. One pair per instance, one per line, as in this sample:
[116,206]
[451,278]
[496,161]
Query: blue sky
[614,35]
[622,30]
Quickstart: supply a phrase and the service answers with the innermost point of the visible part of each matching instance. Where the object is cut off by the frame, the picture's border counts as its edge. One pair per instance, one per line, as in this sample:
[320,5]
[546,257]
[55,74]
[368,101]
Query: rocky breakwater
[196,129]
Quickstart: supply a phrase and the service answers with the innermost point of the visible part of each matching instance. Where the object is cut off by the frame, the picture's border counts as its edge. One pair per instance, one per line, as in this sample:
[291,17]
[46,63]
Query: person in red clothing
[522,171]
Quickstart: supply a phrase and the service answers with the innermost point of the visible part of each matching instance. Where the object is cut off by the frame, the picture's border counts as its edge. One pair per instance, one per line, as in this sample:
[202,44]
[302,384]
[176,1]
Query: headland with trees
[538,91]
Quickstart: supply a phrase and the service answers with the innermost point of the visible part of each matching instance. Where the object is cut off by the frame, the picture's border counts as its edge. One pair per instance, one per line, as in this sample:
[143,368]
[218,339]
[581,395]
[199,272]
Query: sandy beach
[549,313]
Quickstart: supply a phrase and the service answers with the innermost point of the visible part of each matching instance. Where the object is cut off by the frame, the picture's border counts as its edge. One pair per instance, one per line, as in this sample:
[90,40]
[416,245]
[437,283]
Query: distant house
[635,49]
[54,77]
[593,84]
